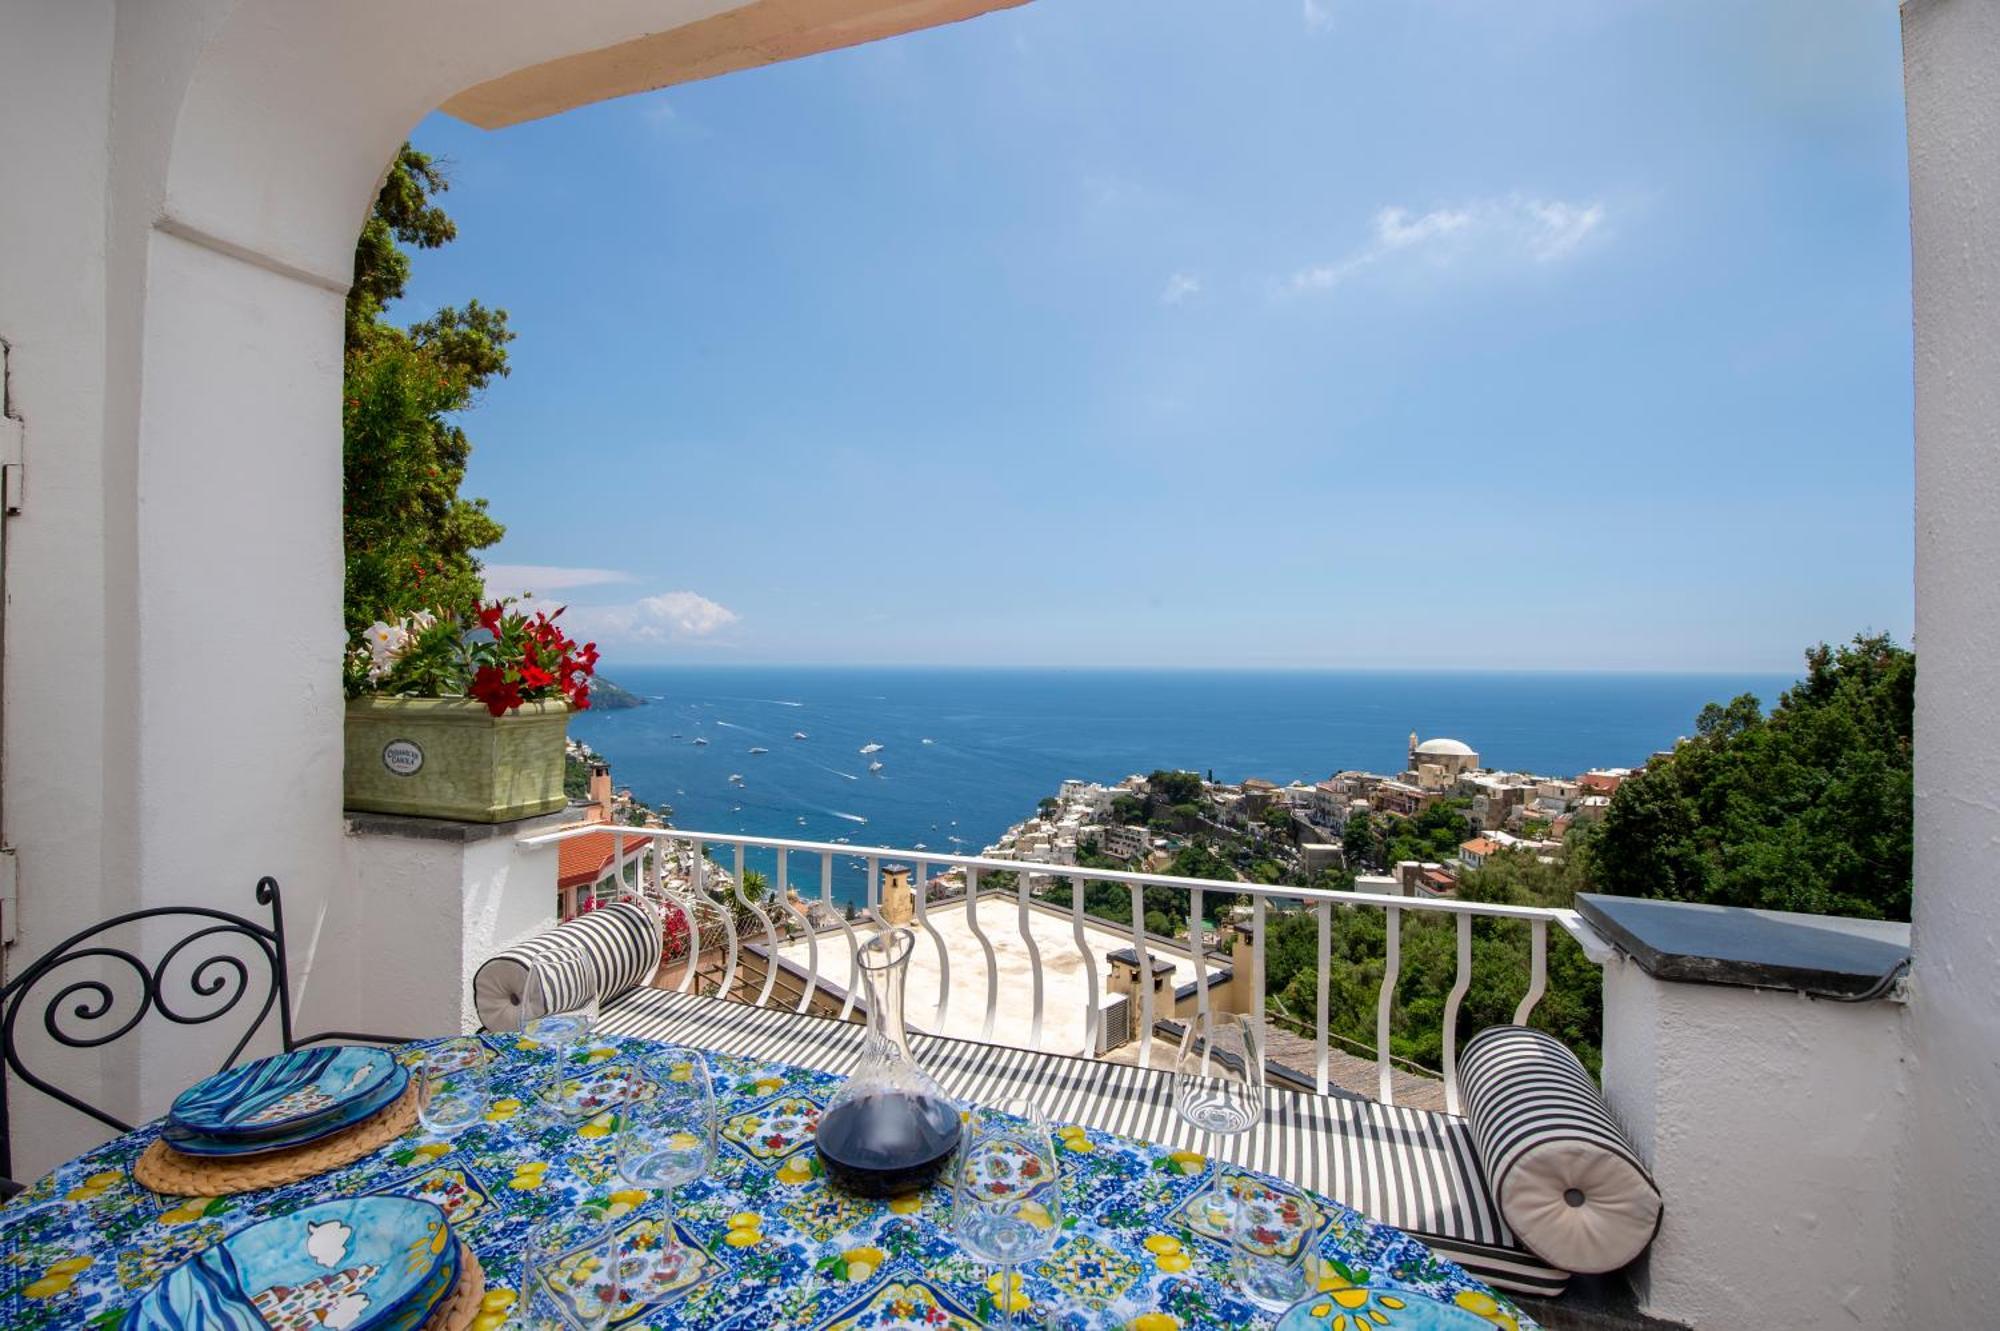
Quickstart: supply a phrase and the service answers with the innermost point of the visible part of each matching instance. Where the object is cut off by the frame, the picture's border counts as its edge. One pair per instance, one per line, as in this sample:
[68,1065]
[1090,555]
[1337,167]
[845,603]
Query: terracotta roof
[582,860]
[1480,845]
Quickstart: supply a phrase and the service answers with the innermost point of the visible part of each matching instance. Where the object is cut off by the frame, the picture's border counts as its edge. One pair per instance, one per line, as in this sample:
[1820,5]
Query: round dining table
[771,1243]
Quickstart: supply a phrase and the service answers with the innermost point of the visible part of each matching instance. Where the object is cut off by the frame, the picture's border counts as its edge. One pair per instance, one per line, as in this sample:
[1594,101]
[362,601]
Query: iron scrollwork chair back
[217,985]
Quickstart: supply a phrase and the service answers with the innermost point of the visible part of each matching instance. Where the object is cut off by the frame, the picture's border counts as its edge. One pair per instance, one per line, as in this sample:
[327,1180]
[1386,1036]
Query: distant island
[608,697]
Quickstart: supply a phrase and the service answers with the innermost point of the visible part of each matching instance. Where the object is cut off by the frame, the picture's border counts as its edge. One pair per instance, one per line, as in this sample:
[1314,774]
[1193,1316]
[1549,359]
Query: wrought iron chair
[215,987]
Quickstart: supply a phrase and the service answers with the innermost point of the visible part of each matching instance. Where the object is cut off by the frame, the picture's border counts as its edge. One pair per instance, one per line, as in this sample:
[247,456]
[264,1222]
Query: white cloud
[1563,226]
[1395,229]
[1179,287]
[1494,232]
[1318,16]
[541,579]
[668,617]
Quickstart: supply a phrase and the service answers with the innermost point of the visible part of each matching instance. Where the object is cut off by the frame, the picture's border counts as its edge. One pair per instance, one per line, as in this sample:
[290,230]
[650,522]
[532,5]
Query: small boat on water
[698,740]
[929,740]
[736,778]
[677,734]
[871,747]
[760,749]
[802,820]
[798,734]
[875,766]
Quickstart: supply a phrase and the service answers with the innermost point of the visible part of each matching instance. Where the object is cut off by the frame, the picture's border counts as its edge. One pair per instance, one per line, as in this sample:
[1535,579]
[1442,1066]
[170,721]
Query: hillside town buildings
[1507,812]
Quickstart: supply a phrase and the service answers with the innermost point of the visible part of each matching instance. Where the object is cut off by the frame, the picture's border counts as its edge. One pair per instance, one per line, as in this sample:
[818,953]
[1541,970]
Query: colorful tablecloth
[778,1248]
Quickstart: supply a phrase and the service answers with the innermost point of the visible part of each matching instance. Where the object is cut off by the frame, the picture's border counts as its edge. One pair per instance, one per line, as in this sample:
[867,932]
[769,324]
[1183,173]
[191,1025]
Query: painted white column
[239,634]
[1948,1212]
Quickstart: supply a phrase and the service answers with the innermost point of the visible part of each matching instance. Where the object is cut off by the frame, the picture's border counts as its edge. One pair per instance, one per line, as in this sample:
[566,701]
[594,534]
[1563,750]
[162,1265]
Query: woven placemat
[458,1310]
[164,1170]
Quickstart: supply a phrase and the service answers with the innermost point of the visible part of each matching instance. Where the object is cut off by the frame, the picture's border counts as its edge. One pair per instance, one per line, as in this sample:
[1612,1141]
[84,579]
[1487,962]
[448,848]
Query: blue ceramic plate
[201,1143]
[277,1095]
[367,1264]
[1379,1308]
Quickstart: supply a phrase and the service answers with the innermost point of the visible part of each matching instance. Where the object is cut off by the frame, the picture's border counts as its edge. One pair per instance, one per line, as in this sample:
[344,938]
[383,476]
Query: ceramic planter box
[451,758]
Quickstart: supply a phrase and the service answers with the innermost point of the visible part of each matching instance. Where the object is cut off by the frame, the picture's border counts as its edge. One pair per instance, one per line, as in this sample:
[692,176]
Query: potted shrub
[462,714]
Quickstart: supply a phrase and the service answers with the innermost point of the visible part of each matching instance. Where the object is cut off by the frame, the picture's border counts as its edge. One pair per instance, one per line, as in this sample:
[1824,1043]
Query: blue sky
[1216,332]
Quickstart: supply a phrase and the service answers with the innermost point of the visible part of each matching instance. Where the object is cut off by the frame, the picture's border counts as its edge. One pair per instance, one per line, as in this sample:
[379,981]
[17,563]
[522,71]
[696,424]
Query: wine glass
[559,1021]
[1219,1089]
[452,1085]
[569,1274]
[666,1138]
[1007,1206]
[1269,1238]
[1219,1080]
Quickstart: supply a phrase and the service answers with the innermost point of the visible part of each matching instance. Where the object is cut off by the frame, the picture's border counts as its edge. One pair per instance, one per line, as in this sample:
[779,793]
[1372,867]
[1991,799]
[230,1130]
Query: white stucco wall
[55,79]
[1772,1124]
[1948,1211]
[454,903]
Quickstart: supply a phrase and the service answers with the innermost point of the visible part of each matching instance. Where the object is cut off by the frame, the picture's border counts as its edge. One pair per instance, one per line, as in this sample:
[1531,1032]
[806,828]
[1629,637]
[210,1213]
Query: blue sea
[966,753]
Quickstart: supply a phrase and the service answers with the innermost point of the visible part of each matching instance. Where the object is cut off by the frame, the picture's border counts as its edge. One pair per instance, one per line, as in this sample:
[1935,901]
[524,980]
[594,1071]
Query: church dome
[1445,748]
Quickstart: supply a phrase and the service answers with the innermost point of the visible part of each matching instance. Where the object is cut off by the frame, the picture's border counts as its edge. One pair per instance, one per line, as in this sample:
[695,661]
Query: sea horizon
[967,751]
[613,672]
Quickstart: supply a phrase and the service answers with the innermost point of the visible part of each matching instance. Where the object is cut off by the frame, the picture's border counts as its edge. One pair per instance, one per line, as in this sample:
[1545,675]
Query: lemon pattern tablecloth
[777,1246]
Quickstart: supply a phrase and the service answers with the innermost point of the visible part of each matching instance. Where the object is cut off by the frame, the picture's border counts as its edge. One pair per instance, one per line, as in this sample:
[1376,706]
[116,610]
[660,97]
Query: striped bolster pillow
[605,951]
[1565,1179]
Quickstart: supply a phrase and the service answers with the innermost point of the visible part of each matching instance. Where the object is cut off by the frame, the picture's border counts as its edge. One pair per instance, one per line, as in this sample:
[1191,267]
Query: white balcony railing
[673,869]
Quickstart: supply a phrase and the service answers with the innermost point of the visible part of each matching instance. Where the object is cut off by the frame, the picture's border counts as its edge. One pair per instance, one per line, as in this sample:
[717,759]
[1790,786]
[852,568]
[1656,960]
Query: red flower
[534,677]
[490,617]
[491,686]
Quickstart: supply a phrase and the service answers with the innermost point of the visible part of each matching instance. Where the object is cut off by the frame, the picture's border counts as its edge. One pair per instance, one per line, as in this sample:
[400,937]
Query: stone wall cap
[463,833]
[1822,955]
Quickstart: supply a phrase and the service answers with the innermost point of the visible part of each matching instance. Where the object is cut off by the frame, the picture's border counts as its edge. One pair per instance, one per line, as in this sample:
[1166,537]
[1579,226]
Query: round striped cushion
[1565,1179]
[605,951]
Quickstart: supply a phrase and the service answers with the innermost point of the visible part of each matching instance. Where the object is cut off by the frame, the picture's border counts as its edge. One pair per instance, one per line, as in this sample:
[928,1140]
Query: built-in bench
[1427,1173]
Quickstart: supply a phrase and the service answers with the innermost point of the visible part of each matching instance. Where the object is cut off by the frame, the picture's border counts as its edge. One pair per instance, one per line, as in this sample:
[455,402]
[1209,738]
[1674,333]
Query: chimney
[600,789]
[899,904]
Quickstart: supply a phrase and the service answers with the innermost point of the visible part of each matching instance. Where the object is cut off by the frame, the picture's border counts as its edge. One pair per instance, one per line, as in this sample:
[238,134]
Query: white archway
[175,636]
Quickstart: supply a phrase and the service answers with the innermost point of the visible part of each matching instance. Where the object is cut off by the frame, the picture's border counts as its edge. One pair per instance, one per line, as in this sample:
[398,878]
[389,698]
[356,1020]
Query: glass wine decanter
[889,1129]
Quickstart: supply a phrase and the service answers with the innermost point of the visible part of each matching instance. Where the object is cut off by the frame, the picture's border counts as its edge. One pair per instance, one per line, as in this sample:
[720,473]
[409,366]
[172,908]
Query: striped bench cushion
[1565,1178]
[1416,1170]
[606,951]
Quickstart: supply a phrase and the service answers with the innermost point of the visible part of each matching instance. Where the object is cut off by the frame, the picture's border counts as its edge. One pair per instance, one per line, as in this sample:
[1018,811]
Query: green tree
[410,536]
[1433,834]
[1806,809]
[1175,787]
[1357,840]
[576,777]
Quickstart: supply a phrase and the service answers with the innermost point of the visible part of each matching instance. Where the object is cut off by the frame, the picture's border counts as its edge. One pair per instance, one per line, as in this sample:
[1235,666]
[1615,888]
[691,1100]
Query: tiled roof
[582,860]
